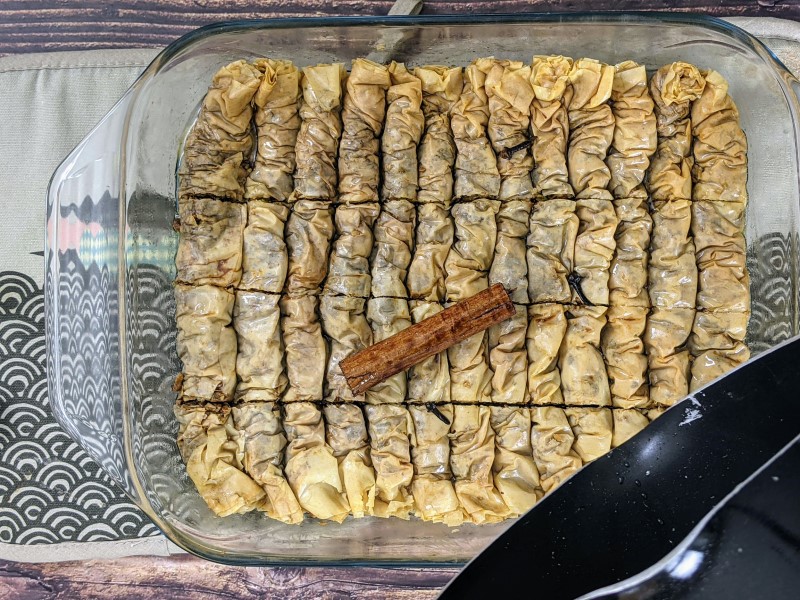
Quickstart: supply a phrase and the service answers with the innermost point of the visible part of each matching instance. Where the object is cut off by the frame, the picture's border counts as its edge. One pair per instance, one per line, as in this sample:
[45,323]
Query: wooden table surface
[38,25]
[43,25]
[146,578]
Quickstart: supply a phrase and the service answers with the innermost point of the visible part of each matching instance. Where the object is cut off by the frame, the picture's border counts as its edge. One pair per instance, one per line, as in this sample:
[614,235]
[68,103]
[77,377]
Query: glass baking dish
[111,246]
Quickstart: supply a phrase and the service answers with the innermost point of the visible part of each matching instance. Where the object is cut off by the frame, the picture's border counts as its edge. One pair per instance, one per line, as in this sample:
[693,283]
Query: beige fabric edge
[73,551]
[781,36]
[90,59]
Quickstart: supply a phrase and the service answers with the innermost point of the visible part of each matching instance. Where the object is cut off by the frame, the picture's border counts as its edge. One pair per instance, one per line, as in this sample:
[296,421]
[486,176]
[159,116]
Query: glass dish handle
[82,274]
[794,102]
[793,97]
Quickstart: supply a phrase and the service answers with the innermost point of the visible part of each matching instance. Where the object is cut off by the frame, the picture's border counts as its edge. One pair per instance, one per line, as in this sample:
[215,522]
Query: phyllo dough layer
[311,469]
[214,459]
[635,134]
[261,433]
[674,87]
[259,362]
[277,120]
[210,246]
[317,146]
[363,113]
[206,342]
[591,128]
[217,150]
[550,125]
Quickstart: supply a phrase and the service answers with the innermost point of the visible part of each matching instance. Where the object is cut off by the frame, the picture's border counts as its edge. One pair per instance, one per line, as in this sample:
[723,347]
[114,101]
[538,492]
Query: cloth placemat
[55,503]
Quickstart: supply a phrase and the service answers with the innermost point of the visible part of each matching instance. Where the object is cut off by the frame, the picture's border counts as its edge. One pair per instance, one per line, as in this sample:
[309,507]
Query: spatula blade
[630,508]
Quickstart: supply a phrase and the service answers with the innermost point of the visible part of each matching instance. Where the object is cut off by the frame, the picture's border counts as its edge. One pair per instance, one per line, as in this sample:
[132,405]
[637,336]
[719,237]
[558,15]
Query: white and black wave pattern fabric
[774,289]
[89,354]
[51,491]
[153,364]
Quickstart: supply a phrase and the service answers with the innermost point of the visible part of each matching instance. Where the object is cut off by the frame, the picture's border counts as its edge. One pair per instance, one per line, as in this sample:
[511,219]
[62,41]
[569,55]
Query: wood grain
[189,577]
[42,25]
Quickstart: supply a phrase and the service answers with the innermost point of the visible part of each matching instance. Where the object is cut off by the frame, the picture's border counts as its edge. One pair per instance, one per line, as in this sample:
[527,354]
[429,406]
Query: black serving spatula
[629,509]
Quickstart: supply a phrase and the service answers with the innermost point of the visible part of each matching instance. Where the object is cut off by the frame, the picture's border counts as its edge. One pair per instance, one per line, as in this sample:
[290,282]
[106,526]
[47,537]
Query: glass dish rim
[706,21]
[128,101]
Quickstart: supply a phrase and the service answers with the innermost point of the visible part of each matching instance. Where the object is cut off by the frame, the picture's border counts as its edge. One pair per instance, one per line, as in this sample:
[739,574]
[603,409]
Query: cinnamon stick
[403,350]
